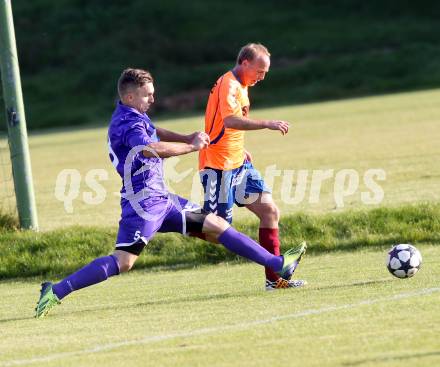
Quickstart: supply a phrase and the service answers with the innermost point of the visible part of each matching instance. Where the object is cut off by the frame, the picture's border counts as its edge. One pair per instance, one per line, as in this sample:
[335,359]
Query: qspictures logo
[294,186]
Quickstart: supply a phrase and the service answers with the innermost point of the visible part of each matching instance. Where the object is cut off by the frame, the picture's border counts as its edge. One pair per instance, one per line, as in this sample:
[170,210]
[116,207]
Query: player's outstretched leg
[97,271]
[244,246]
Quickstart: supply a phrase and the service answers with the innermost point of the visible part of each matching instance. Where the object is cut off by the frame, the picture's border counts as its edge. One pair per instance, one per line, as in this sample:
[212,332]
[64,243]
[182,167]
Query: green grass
[398,133]
[62,251]
[321,51]
[352,313]
[8,222]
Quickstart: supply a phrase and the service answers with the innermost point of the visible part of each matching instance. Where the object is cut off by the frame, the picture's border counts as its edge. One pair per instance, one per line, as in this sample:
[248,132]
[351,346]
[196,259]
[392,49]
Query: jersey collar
[124,109]
[236,76]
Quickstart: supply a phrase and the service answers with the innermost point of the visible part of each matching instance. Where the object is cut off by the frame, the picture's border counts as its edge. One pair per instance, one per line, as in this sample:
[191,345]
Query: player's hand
[282,126]
[189,138]
[200,140]
[247,156]
[205,136]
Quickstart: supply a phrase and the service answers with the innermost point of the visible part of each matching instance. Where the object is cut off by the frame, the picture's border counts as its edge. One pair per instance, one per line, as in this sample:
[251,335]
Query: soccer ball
[404,260]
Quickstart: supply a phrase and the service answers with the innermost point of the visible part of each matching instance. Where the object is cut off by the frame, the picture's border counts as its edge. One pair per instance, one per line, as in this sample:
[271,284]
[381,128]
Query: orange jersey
[226,151]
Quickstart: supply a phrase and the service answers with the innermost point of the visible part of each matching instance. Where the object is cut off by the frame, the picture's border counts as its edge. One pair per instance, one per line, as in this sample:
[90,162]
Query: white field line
[214,330]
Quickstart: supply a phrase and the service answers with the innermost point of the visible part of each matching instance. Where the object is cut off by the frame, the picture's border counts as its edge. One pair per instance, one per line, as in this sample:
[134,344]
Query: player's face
[142,98]
[255,70]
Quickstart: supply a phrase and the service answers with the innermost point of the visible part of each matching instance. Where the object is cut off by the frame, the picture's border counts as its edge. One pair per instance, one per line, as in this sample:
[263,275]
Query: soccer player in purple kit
[137,149]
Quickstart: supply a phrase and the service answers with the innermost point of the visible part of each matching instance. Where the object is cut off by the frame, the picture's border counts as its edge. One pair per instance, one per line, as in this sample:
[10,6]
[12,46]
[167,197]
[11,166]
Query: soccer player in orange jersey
[226,172]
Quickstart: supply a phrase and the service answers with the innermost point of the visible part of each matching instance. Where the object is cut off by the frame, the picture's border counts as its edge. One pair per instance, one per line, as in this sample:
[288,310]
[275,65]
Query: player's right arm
[244,123]
[165,149]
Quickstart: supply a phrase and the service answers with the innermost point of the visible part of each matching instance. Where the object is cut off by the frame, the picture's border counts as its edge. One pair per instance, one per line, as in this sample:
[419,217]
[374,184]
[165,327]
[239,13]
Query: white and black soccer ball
[404,260]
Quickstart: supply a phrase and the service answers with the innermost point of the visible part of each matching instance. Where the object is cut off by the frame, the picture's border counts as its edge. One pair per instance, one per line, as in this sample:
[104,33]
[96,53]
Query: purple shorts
[159,214]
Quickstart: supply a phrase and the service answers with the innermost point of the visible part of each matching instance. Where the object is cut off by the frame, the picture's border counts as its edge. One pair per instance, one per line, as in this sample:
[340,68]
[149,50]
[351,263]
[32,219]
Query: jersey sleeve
[137,135]
[228,99]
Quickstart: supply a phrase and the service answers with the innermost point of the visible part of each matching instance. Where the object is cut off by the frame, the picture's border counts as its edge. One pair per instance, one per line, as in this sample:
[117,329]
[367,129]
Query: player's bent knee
[270,212]
[215,225]
[126,260]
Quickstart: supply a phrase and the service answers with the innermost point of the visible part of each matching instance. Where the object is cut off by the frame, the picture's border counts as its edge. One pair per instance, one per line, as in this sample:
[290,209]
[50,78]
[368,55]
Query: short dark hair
[133,78]
[251,51]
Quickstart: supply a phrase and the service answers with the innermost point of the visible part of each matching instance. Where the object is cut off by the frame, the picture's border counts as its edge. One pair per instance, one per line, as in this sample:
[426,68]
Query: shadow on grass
[355,284]
[401,357]
[16,319]
[218,296]
[161,301]
[168,301]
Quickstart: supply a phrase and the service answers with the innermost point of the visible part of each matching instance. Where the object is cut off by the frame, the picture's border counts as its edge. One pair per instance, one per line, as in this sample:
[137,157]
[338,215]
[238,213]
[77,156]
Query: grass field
[397,133]
[58,253]
[352,313]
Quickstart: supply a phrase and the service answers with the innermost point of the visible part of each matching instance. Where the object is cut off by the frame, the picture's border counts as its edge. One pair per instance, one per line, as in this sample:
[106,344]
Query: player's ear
[129,97]
[245,63]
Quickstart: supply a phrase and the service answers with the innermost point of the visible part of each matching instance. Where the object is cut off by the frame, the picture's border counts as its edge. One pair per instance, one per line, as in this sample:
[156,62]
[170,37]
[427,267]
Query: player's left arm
[171,136]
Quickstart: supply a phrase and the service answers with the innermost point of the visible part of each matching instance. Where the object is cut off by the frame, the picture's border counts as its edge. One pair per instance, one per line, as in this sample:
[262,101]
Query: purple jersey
[147,207]
[129,133]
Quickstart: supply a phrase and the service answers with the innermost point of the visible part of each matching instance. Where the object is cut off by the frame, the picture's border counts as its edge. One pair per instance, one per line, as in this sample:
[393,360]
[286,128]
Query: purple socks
[95,272]
[104,267]
[244,246]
